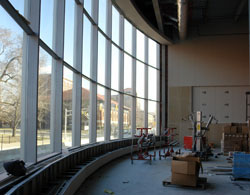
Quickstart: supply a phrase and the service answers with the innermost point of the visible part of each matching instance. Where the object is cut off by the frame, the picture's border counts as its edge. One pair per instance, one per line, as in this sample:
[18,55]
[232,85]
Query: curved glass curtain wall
[109,80]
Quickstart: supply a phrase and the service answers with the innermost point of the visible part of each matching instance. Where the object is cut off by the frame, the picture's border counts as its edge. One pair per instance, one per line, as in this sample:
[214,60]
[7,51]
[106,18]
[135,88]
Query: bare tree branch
[4,73]
[10,78]
[7,103]
[2,51]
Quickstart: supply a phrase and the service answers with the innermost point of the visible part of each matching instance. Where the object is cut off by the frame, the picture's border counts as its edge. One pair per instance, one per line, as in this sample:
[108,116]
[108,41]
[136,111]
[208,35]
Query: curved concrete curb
[76,181]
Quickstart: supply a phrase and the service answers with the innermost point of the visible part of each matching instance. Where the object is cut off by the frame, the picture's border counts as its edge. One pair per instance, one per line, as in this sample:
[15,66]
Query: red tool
[172,150]
[169,141]
[167,153]
[144,144]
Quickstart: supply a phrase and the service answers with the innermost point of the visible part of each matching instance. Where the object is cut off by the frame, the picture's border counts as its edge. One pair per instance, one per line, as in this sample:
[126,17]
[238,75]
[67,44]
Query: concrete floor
[123,178]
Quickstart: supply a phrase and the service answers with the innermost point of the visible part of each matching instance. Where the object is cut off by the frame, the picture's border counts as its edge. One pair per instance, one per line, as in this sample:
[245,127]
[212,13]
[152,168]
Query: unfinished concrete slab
[123,178]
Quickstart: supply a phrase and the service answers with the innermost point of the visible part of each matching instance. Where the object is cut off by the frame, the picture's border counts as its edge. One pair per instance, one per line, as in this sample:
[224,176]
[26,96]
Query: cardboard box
[234,142]
[245,130]
[233,130]
[237,137]
[245,145]
[185,170]
[184,167]
[183,179]
[238,124]
[226,136]
[237,147]
[226,129]
[228,145]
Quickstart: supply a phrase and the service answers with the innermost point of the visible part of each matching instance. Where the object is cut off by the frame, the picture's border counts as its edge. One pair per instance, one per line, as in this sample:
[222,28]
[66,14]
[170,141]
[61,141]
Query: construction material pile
[235,137]
[241,165]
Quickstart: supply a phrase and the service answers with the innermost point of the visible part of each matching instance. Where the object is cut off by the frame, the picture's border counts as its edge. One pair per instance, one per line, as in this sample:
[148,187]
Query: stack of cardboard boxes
[248,125]
[235,137]
[185,170]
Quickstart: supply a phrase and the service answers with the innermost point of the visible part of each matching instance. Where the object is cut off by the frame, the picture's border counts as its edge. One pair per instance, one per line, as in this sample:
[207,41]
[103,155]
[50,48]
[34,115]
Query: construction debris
[108,192]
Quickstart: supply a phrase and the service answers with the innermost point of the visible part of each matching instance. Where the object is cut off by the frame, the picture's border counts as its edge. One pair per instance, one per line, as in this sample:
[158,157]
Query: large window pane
[44,96]
[46,21]
[114,115]
[86,46]
[127,37]
[139,112]
[140,79]
[101,59]
[100,113]
[11,41]
[115,25]
[152,52]
[115,68]
[11,75]
[152,83]
[152,116]
[102,14]
[127,73]
[69,31]
[127,108]
[67,108]
[140,45]
[87,6]
[85,112]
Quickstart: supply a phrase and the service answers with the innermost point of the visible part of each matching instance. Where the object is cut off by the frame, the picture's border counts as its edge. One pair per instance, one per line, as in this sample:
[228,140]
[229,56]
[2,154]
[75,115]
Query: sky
[46,26]
[6,21]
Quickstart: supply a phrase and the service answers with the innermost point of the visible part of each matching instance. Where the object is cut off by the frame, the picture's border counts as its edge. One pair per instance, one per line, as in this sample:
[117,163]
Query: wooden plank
[202,183]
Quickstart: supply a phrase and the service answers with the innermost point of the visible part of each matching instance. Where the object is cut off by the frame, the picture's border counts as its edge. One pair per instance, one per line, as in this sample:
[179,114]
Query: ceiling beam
[239,10]
[158,14]
[131,13]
